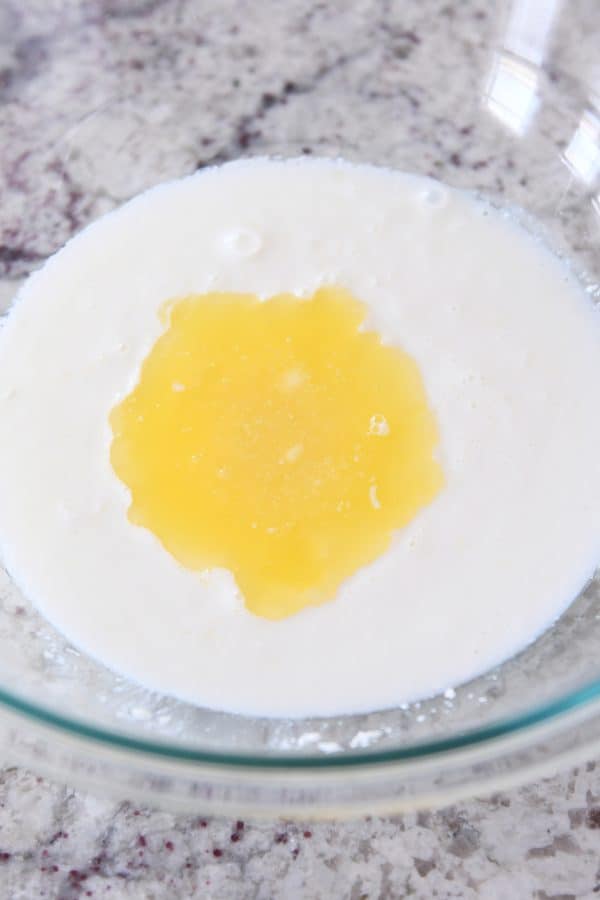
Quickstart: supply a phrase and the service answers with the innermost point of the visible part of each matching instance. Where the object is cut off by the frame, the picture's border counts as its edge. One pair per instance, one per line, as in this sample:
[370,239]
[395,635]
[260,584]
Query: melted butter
[277,440]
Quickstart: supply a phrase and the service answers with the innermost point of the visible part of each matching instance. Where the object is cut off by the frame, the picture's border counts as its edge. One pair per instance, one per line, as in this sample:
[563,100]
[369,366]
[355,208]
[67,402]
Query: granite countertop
[102,98]
[541,841]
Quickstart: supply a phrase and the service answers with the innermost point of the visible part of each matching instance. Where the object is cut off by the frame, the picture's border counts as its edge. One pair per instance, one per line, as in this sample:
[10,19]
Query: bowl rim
[550,713]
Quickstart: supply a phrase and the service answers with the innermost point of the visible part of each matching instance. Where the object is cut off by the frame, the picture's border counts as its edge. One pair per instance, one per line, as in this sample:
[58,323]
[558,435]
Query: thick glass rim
[545,713]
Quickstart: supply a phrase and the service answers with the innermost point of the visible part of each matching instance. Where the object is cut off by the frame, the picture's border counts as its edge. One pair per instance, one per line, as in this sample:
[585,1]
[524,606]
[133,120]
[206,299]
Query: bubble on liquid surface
[373,497]
[434,197]
[242,242]
[378,425]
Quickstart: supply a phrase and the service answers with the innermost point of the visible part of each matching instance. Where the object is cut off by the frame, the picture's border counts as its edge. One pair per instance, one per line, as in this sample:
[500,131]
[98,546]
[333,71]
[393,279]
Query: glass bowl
[102,99]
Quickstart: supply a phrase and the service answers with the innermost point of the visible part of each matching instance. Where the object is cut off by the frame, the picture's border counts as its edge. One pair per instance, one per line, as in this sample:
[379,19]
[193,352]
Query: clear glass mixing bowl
[101,99]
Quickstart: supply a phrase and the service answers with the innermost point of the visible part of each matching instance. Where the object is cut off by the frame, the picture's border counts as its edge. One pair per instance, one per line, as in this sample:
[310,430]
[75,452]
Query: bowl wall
[101,100]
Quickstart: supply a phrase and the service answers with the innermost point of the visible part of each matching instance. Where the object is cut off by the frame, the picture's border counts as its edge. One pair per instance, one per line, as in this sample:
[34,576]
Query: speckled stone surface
[100,99]
[542,842]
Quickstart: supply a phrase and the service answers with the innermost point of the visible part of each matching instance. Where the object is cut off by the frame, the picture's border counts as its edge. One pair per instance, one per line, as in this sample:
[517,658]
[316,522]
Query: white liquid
[510,353]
